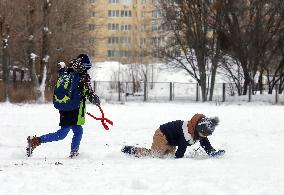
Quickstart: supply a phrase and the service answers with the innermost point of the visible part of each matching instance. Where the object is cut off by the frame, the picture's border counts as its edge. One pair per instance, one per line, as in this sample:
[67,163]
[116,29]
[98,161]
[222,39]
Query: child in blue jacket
[73,119]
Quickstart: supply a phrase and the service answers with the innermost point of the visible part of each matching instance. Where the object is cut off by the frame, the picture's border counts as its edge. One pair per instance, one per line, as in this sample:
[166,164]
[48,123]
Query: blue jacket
[77,116]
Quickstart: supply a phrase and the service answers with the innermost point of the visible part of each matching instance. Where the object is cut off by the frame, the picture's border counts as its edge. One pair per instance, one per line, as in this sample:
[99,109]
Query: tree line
[35,35]
[242,39]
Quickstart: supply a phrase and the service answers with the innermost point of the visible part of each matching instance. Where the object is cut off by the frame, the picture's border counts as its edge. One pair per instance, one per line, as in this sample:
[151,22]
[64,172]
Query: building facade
[122,30]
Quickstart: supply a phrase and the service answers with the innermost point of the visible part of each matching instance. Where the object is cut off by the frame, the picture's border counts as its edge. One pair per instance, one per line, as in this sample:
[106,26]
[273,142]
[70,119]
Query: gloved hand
[217,153]
[97,100]
[60,65]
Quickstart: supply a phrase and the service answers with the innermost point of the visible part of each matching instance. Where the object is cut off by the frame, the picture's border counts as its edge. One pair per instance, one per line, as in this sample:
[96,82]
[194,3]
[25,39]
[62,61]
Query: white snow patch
[251,134]
[62,64]
[33,56]
[137,184]
[43,85]
[31,37]
[5,43]
[46,58]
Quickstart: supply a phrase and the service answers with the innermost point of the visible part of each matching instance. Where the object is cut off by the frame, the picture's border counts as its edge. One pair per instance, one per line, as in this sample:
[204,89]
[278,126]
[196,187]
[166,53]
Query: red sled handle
[102,119]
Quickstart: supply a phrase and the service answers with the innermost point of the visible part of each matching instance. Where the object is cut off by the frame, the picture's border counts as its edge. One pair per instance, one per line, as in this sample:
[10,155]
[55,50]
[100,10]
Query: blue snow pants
[62,133]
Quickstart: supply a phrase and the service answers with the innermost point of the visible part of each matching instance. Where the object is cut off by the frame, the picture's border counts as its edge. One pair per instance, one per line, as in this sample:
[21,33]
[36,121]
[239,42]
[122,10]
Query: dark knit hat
[206,126]
[84,58]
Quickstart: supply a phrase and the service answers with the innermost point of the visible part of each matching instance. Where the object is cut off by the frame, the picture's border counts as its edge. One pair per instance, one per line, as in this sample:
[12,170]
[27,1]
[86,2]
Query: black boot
[73,153]
[128,150]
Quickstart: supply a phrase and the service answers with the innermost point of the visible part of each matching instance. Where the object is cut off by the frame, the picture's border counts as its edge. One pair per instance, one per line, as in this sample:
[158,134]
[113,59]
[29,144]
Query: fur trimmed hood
[189,127]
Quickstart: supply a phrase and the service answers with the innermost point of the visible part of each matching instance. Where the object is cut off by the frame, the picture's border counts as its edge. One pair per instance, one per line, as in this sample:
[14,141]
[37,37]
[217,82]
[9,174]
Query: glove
[60,65]
[97,100]
[217,153]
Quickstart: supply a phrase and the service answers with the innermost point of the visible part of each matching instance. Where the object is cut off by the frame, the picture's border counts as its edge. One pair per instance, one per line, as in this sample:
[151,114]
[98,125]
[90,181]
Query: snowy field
[251,134]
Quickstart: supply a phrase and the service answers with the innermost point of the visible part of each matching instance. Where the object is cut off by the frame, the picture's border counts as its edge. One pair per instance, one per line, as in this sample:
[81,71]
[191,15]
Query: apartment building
[122,30]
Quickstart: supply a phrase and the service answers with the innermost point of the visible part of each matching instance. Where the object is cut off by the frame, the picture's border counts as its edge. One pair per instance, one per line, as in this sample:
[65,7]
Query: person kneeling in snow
[181,134]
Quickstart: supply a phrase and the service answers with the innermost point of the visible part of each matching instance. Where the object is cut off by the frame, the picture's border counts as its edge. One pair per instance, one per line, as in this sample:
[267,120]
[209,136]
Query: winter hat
[206,126]
[85,60]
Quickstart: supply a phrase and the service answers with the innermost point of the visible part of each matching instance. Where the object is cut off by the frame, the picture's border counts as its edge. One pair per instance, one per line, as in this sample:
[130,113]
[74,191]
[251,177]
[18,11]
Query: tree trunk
[202,72]
[5,65]
[246,82]
[4,30]
[213,76]
[260,82]
[31,46]
[202,83]
[281,87]
[44,68]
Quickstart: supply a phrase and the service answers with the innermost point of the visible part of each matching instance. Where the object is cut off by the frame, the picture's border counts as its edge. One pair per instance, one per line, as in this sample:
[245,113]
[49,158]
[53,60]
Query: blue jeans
[62,133]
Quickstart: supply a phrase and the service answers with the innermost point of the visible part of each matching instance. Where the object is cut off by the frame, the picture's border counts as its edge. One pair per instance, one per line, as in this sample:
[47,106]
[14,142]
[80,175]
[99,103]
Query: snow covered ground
[251,134]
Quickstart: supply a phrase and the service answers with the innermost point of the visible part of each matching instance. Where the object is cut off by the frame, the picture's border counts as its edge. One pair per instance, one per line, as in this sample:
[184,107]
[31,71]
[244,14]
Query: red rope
[102,119]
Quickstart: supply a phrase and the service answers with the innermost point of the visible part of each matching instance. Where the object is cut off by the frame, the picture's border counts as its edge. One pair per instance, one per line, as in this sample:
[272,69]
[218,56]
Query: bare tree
[45,47]
[4,32]
[251,35]
[30,43]
[30,40]
[66,36]
[231,72]
[5,16]
[188,45]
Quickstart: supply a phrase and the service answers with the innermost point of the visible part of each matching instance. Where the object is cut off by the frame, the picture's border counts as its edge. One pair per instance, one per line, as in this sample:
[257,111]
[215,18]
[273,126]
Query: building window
[118,53]
[143,14]
[110,53]
[125,53]
[113,27]
[113,40]
[92,40]
[143,1]
[125,40]
[154,40]
[92,1]
[113,13]
[92,27]
[126,13]
[125,27]
[117,13]
[154,2]
[126,2]
[143,27]
[113,1]
[157,40]
[119,40]
[156,14]
[142,41]
[155,27]
[93,14]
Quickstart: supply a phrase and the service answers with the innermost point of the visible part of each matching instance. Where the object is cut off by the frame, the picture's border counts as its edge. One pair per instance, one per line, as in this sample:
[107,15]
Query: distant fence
[112,91]
[176,91]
